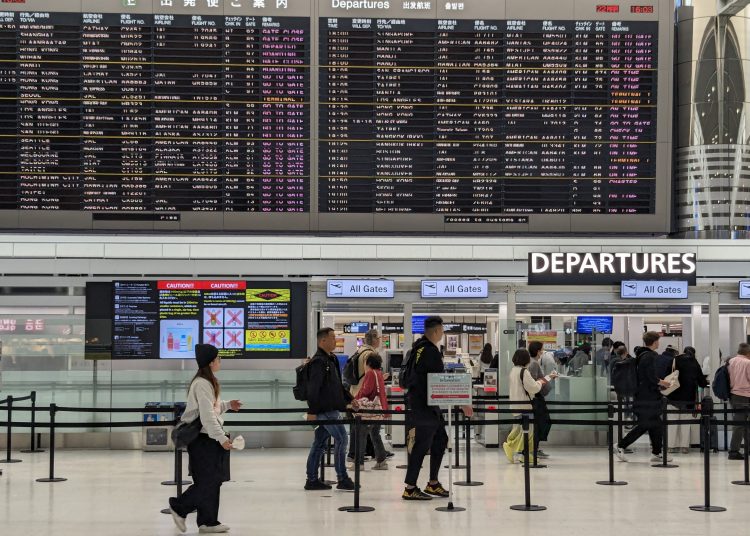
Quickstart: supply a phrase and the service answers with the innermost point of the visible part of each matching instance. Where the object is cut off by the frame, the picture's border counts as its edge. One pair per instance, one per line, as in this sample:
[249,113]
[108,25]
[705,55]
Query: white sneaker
[380,466]
[350,466]
[213,530]
[178,521]
[659,458]
[620,453]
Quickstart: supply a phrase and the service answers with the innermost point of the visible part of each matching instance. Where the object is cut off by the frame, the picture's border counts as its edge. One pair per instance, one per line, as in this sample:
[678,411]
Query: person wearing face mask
[209,452]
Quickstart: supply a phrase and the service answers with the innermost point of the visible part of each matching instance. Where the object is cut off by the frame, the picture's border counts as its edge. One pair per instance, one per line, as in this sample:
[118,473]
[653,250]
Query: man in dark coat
[647,406]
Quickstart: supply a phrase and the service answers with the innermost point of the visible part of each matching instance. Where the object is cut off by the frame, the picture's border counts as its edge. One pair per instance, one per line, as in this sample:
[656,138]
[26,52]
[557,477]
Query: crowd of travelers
[332,394]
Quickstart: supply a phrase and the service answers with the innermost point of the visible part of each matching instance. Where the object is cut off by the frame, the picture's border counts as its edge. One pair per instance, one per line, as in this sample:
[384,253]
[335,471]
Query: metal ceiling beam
[727,8]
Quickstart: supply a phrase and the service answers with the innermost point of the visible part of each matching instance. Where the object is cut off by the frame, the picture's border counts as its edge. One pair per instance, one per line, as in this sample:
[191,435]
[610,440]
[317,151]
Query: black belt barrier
[611,446]
[9,432]
[527,506]
[52,478]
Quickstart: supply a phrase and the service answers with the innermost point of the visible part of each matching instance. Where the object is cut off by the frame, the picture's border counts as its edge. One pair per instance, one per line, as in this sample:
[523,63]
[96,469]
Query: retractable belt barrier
[707,419]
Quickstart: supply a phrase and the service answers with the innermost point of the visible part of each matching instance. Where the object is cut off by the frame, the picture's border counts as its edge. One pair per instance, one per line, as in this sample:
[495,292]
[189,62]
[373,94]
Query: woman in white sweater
[521,386]
[209,452]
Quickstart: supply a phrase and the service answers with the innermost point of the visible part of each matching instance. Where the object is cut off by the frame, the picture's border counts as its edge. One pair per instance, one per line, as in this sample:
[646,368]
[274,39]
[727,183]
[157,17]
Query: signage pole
[450,507]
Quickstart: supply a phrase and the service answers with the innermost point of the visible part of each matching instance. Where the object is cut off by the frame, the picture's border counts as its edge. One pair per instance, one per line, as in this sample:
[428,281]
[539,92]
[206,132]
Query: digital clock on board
[642,10]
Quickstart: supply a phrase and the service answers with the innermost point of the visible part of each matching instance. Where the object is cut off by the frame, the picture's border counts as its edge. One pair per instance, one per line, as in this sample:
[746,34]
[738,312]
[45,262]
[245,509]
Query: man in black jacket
[326,398]
[647,398]
[426,427]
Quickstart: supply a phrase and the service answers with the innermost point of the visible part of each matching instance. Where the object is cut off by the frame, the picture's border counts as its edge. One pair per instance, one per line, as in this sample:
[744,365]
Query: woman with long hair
[522,386]
[209,452]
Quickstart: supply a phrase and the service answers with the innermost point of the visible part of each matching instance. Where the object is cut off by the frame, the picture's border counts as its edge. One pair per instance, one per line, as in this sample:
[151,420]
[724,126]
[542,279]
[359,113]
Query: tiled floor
[112,493]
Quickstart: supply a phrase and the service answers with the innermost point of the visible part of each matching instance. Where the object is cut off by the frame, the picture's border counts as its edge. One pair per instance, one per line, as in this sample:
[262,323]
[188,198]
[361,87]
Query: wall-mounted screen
[590,324]
[244,319]
[481,115]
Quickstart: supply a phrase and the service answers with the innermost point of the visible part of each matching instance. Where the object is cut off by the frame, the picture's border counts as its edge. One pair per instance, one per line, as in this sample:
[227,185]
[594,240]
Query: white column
[737,334]
[634,333]
[713,330]
[700,332]
[620,329]
[558,325]
[688,337]
[407,327]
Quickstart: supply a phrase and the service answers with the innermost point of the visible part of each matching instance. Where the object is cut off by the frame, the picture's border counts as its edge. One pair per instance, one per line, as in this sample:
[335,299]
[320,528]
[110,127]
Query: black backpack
[625,376]
[407,376]
[721,385]
[300,387]
[350,373]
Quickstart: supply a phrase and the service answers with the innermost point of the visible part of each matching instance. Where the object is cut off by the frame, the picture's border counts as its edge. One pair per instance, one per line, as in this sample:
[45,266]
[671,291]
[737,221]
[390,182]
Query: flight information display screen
[479,116]
[156,108]
[345,116]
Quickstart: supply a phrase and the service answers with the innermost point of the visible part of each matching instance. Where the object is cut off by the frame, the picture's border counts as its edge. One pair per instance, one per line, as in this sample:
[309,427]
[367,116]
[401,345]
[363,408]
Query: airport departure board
[487,116]
[498,116]
[161,112]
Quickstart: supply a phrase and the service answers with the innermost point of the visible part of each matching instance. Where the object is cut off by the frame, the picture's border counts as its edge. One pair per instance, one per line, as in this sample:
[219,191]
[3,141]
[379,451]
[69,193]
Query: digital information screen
[336,115]
[166,319]
[138,111]
[500,114]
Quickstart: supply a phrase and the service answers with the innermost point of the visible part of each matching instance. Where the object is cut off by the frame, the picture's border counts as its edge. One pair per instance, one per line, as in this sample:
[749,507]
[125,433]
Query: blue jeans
[340,440]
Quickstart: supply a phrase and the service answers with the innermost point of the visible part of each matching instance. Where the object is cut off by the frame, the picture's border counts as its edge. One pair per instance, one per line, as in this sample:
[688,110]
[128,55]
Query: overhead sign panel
[745,290]
[359,288]
[455,288]
[674,290]
[609,268]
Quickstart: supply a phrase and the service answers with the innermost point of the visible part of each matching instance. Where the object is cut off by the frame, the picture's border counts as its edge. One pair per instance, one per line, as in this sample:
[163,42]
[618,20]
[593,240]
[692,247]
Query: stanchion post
[177,480]
[664,438]
[327,458]
[323,466]
[52,478]
[726,428]
[34,443]
[9,432]
[456,441]
[357,508]
[468,481]
[746,482]
[619,418]
[611,447]
[527,506]
[707,411]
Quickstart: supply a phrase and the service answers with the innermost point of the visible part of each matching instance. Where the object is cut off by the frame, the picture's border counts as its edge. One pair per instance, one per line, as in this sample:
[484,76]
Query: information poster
[268,325]
[166,319]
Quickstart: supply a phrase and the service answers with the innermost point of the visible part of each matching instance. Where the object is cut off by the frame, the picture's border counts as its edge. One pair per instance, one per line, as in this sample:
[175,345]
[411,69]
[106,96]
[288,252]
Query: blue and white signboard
[745,290]
[670,290]
[359,288]
[455,288]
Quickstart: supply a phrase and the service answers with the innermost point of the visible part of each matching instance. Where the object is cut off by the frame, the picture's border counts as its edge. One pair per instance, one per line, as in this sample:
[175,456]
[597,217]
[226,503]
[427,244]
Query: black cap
[204,354]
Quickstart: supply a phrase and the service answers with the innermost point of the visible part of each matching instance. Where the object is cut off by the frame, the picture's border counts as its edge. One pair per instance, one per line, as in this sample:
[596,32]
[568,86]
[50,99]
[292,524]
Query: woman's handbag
[542,422]
[673,379]
[370,405]
[186,432]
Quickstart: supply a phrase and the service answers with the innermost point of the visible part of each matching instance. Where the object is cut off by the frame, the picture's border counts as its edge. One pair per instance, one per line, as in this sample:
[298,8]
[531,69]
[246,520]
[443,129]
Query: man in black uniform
[426,427]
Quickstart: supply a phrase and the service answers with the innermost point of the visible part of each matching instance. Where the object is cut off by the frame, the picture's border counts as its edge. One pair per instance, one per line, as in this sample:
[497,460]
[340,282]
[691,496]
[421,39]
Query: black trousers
[426,432]
[209,466]
[647,423]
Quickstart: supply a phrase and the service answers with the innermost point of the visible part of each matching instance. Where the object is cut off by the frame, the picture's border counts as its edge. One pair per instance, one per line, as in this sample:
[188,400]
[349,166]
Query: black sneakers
[345,485]
[415,494]
[436,490]
[735,455]
[316,485]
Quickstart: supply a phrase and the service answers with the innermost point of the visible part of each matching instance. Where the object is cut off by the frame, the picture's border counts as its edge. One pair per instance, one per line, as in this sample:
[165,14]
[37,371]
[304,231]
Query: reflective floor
[116,493]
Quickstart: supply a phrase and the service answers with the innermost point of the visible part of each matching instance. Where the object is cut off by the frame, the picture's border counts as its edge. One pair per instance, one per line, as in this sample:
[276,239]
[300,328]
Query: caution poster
[268,323]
